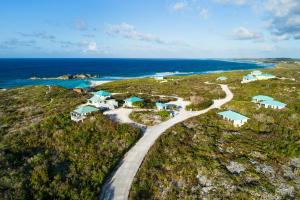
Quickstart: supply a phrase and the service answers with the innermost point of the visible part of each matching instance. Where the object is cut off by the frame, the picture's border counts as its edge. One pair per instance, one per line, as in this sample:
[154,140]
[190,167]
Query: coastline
[93,82]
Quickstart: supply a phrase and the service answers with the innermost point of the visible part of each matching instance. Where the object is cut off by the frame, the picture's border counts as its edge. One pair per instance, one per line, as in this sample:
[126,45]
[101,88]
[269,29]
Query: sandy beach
[97,83]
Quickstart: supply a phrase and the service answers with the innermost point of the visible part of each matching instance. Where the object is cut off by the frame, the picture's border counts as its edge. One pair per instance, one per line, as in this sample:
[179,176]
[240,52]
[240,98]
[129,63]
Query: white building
[81,112]
[236,118]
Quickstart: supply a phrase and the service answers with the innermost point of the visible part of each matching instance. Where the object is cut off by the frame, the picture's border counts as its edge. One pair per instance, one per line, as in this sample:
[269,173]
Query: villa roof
[103,93]
[83,86]
[267,75]
[222,78]
[133,99]
[256,72]
[249,77]
[262,98]
[273,103]
[85,109]
[95,98]
[233,115]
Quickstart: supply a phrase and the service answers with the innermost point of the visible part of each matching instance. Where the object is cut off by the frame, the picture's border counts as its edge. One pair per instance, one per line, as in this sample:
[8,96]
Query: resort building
[249,78]
[82,88]
[261,98]
[273,104]
[81,112]
[130,101]
[256,73]
[102,102]
[265,76]
[236,118]
[161,106]
[222,78]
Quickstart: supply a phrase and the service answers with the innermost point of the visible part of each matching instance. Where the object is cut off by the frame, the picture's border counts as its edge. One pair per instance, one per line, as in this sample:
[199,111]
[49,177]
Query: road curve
[117,187]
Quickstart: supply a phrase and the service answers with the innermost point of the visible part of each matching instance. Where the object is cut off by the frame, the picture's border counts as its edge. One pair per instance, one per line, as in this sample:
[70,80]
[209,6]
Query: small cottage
[130,101]
[222,78]
[81,112]
[273,104]
[236,118]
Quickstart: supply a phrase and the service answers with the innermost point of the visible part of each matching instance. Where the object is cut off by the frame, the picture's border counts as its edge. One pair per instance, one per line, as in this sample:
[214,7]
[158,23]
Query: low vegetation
[191,88]
[44,155]
[150,118]
[206,157]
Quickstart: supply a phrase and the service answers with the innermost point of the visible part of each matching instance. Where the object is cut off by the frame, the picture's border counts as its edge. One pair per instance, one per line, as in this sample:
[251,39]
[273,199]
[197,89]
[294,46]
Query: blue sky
[150,29]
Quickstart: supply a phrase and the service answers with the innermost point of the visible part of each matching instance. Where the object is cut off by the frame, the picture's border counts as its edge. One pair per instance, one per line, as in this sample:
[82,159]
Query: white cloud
[92,46]
[80,25]
[128,31]
[179,6]
[267,47]
[284,18]
[235,2]
[204,13]
[242,33]
[39,35]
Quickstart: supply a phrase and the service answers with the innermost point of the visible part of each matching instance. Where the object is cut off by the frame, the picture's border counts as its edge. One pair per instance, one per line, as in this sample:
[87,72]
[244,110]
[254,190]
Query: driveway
[118,185]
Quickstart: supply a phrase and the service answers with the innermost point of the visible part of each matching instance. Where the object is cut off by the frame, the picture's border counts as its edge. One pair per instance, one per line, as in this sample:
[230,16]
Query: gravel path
[118,186]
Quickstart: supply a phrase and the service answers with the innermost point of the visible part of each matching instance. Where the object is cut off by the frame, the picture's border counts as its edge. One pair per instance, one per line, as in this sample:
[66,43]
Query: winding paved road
[118,186]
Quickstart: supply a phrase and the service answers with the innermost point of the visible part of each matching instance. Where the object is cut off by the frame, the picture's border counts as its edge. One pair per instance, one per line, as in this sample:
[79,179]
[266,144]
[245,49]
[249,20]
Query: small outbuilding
[130,101]
[236,118]
[80,113]
[222,78]
[261,98]
[273,104]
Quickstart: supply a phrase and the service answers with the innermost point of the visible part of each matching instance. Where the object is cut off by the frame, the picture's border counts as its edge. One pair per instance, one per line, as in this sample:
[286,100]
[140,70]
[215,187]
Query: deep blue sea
[16,72]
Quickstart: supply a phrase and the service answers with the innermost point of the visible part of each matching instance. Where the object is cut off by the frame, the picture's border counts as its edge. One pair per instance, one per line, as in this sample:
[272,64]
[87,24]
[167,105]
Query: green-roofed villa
[161,106]
[236,118]
[102,102]
[256,72]
[273,104]
[257,75]
[103,94]
[261,98]
[249,78]
[222,78]
[81,112]
[130,101]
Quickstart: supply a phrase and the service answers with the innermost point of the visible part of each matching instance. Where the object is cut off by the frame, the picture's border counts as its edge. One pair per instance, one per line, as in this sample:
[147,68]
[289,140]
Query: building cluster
[102,100]
[261,100]
[257,75]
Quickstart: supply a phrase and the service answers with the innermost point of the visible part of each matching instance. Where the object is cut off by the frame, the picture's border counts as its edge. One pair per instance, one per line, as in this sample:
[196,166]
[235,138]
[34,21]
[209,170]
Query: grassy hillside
[44,155]
[207,158]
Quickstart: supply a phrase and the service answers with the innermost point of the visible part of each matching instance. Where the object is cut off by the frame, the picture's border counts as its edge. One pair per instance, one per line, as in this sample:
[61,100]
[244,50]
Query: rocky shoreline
[66,77]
